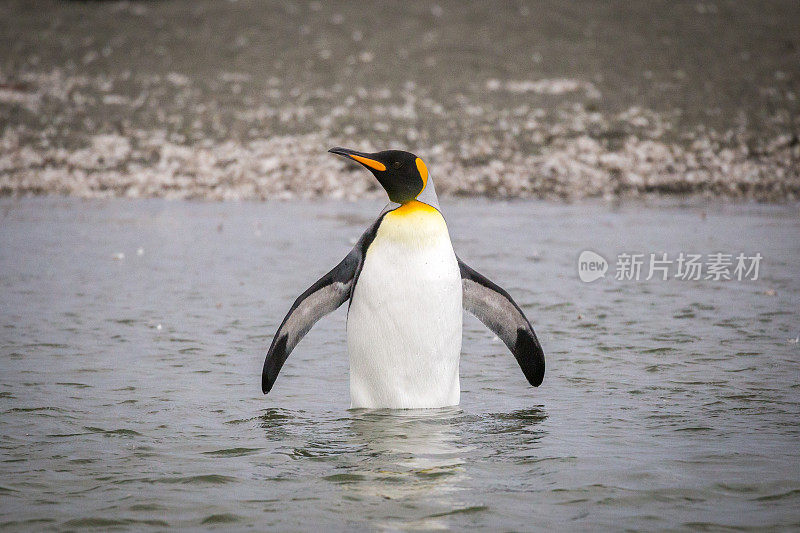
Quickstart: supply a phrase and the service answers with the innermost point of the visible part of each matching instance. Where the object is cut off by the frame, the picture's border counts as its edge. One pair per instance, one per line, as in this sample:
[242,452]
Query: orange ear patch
[423,172]
[371,163]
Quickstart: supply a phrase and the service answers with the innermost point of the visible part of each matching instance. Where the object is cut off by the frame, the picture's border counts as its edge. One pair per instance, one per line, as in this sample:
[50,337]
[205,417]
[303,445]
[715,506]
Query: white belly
[404,321]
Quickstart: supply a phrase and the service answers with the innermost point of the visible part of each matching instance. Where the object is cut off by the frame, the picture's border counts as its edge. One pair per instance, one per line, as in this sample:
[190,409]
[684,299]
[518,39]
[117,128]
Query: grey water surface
[130,386]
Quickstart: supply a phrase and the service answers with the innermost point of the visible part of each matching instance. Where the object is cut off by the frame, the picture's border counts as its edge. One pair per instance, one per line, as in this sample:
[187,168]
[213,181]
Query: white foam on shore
[516,147]
[554,86]
[147,164]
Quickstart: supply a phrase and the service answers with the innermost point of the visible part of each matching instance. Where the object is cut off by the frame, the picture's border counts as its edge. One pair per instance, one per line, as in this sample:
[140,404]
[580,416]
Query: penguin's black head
[402,174]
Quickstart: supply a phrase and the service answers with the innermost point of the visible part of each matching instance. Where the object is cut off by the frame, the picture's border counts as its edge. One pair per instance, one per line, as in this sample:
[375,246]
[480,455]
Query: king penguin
[406,290]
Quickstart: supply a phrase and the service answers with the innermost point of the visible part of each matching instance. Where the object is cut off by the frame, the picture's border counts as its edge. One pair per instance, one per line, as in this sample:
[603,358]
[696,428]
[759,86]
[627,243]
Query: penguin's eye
[397,164]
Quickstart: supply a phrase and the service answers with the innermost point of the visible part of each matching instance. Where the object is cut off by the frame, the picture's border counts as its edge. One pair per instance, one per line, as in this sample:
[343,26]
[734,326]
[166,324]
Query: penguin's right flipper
[497,310]
[322,298]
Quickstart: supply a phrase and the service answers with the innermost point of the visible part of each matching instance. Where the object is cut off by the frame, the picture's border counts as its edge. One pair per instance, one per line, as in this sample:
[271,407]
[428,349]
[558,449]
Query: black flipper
[322,298]
[497,310]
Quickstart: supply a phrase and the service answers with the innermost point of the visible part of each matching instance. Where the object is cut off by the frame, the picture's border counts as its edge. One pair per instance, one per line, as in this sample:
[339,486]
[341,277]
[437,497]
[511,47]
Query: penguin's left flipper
[322,298]
[497,310]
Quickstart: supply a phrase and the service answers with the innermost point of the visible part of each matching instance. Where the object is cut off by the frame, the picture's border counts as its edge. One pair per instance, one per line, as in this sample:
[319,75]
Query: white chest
[404,321]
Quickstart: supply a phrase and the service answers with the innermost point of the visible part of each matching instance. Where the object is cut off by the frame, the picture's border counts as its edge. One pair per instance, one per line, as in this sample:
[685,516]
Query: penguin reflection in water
[406,289]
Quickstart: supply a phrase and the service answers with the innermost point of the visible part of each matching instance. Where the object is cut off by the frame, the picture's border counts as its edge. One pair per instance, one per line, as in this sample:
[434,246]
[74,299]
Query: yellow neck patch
[413,207]
[415,223]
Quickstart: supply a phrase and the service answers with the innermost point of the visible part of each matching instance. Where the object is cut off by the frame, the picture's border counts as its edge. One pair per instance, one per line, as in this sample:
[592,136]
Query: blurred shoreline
[298,167]
[223,100]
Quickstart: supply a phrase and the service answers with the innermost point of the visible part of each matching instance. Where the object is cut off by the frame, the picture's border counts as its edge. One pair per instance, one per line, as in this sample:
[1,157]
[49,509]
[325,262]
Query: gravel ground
[241,100]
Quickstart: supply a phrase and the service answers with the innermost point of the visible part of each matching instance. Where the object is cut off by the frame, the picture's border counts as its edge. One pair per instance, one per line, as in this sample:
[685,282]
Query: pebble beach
[241,100]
